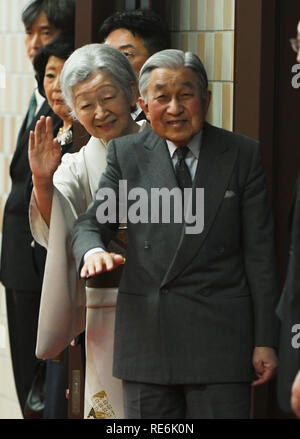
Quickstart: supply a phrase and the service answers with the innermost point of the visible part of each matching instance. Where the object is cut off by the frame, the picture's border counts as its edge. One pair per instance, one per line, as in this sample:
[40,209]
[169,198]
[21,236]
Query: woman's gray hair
[172,59]
[90,59]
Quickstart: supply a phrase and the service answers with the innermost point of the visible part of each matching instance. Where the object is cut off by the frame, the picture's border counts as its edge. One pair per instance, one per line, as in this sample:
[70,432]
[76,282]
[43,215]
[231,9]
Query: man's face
[175,107]
[38,35]
[132,46]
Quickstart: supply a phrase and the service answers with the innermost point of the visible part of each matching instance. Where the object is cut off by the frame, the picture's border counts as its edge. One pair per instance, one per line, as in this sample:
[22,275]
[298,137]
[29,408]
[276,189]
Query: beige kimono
[66,308]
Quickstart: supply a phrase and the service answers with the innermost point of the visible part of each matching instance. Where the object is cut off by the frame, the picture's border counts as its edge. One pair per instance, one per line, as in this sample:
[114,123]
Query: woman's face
[102,107]
[52,87]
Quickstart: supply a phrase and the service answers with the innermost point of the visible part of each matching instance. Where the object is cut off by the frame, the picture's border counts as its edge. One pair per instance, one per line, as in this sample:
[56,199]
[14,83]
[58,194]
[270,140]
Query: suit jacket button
[205,292]
[164,291]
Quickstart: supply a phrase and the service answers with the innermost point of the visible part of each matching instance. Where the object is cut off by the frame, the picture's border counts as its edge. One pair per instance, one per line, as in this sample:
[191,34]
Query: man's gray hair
[90,59]
[172,59]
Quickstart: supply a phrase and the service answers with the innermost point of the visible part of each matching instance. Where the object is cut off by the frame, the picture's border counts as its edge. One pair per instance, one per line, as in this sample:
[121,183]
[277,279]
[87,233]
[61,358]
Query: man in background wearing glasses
[138,34]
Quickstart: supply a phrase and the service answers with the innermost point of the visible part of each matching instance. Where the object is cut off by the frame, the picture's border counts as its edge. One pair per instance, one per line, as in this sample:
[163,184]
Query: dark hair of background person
[60,13]
[62,46]
[141,22]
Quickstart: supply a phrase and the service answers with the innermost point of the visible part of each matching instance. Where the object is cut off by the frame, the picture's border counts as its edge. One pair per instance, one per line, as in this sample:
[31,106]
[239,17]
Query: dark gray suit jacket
[191,308]
[22,265]
[289,312]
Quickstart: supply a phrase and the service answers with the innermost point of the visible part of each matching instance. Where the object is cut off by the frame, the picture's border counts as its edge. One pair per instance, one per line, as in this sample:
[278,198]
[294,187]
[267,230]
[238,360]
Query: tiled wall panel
[206,27]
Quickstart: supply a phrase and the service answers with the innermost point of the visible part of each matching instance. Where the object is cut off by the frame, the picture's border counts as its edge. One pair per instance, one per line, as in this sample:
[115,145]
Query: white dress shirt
[192,156]
[39,101]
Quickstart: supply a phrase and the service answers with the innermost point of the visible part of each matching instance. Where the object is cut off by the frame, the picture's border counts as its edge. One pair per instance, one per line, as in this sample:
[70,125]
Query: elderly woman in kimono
[100,87]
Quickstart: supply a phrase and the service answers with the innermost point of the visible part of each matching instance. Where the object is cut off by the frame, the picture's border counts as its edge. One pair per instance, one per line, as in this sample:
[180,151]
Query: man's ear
[144,107]
[206,102]
[134,94]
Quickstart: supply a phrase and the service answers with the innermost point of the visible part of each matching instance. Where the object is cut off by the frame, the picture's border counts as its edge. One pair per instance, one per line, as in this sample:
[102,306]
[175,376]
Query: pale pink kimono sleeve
[62,308]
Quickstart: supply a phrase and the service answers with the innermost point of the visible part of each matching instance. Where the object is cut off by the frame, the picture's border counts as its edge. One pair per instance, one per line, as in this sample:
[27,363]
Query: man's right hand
[101,261]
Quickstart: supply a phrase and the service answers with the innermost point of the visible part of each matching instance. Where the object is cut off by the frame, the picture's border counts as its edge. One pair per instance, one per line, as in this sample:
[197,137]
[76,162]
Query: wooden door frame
[261,108]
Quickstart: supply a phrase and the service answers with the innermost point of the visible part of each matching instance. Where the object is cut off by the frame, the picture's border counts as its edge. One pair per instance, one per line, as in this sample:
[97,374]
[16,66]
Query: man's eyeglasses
[295,44]
[132,55]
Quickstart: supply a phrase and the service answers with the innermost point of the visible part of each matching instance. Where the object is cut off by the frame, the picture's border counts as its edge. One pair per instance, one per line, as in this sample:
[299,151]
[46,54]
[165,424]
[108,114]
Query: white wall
[13,104]
[206,27]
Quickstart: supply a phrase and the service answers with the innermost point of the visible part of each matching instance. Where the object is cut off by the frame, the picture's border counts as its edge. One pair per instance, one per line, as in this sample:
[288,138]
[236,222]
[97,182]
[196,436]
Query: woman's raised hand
[44,151]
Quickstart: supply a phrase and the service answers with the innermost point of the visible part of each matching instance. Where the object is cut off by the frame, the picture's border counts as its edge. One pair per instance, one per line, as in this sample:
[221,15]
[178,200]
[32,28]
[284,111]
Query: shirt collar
[194,145]
[39,100]
[134,114]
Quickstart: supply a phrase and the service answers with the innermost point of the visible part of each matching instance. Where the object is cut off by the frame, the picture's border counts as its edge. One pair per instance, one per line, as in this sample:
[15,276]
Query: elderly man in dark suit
[22,260]
[195,318]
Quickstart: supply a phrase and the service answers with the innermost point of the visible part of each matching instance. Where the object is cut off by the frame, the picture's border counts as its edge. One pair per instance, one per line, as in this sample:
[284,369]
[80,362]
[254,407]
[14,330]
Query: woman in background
[48,65]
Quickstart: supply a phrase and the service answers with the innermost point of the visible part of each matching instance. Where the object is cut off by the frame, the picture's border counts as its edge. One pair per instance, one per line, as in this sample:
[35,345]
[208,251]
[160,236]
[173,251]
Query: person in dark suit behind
[288,387]
[22,260]
[288,382]
[48,65]
[195,314]
[138,34]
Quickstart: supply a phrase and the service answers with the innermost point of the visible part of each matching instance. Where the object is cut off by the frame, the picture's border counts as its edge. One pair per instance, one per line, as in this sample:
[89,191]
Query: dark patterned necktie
[31,110]
[181,169]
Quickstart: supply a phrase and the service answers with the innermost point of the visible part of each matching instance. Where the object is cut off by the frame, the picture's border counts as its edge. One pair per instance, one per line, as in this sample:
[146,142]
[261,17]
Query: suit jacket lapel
[24,132]
[294,198]
[215,165]
[43,111]
[156,169]
[156,165]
